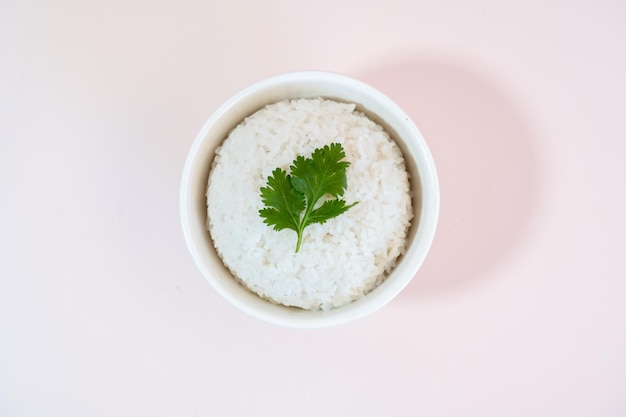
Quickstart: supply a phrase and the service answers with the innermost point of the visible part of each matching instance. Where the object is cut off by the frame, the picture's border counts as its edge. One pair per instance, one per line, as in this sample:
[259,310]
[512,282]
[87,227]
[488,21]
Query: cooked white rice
[339,261]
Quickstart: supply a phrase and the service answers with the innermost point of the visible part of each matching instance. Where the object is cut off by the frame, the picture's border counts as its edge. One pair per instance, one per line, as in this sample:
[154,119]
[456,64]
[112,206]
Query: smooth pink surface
[518,311]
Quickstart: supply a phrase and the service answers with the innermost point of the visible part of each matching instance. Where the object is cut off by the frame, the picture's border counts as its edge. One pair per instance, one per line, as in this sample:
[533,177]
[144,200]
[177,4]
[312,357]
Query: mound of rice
[339,261]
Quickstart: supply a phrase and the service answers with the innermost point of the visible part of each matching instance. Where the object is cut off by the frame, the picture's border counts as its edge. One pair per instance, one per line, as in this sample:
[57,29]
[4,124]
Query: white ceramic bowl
[297,85]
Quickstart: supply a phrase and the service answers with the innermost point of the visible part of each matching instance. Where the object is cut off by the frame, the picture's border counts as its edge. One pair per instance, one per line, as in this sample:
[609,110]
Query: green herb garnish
[291,199]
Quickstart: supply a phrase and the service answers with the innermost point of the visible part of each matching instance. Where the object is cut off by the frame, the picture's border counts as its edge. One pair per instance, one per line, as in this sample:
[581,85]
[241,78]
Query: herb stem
[299,240]
[303,223]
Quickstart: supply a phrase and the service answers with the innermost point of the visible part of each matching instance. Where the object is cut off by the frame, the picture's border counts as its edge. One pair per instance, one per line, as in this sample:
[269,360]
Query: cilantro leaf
[292,200]
[323,173]
[283,203]
[328,210]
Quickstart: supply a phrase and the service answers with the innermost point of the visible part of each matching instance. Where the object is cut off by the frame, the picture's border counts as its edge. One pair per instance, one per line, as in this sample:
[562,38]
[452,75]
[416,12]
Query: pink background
[519,310]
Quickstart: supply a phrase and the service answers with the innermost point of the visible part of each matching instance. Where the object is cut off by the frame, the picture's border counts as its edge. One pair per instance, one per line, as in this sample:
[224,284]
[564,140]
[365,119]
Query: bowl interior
[423,178]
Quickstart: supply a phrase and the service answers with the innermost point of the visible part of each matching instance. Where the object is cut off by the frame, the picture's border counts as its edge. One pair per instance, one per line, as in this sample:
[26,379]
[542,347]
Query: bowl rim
[417,251]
